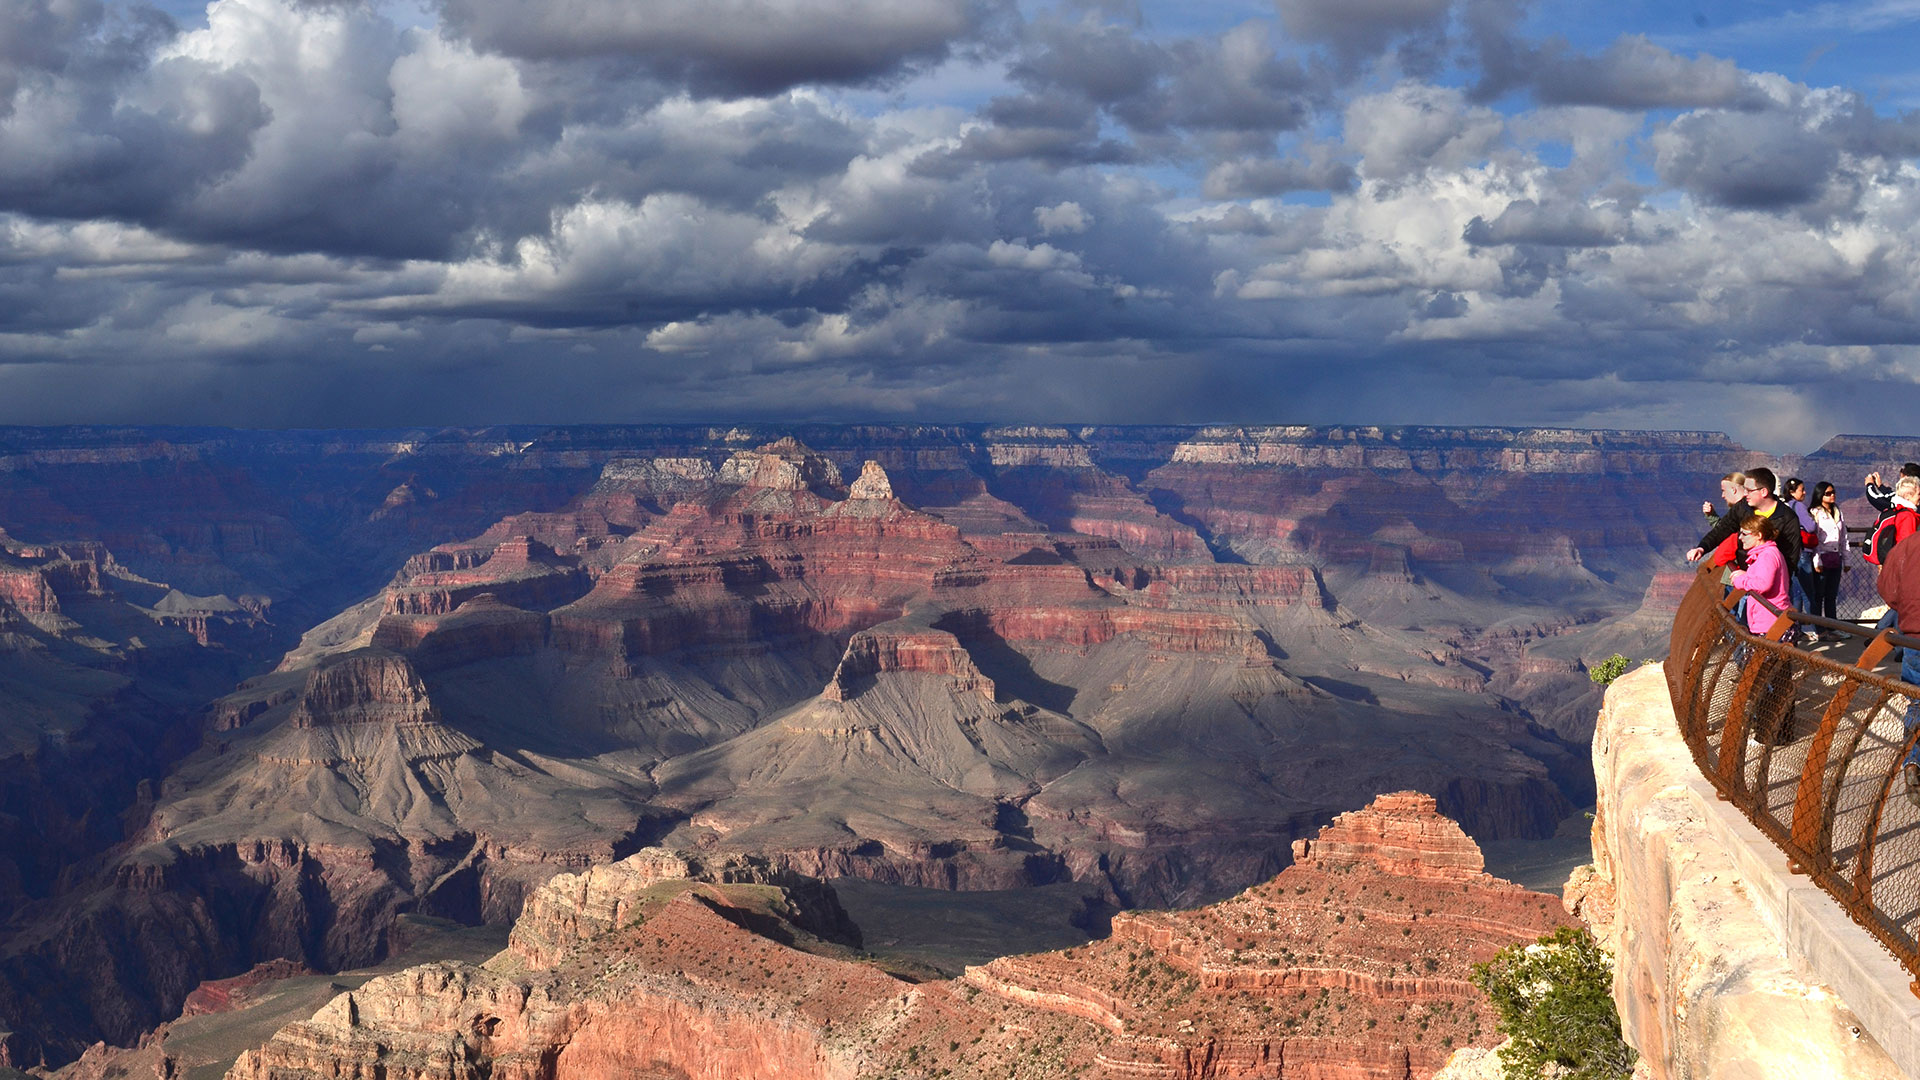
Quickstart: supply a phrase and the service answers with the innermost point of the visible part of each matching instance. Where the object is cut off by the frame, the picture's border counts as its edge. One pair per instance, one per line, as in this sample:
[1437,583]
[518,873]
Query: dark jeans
[1798,590]
[1826,592]
[1891,621]
[1910,672]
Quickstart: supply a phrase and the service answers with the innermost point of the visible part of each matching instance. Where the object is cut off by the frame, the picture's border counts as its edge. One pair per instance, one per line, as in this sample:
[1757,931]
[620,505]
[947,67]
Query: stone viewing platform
[1729,965]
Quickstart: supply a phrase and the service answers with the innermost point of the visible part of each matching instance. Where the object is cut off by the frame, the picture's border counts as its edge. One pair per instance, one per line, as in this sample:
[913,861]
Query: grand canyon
[272,702]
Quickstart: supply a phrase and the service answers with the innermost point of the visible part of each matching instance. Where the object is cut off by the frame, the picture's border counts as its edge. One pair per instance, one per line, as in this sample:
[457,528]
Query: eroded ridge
[1353,963]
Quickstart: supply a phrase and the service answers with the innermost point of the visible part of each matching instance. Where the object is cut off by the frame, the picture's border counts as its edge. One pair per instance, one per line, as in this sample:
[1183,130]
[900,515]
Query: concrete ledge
[1729,965]
[1821,939]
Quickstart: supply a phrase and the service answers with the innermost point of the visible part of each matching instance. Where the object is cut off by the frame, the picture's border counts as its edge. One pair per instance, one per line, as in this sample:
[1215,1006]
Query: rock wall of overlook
[1711,980]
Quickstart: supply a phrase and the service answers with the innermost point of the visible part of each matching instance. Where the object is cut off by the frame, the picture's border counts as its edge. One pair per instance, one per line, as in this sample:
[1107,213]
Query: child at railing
[1766,573]
[1766,578]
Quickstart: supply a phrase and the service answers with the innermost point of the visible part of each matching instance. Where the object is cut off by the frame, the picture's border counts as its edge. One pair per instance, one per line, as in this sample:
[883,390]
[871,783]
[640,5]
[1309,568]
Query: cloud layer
[335,213]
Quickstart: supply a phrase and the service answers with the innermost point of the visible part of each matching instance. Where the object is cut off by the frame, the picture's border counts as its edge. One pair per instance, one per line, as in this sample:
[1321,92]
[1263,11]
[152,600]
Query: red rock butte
[1351,965]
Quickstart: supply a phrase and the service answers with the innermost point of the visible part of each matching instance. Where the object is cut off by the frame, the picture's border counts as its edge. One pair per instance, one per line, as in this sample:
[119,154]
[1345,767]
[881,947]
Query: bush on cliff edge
[1555,1003]
[1608,670]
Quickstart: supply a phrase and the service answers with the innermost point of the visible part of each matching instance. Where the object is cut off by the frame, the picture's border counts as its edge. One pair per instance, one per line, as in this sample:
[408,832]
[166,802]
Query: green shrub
[1555,1002]
[1609,669]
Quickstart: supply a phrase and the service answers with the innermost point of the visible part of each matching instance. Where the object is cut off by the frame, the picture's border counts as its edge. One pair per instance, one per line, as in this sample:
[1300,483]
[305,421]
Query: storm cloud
[488,210]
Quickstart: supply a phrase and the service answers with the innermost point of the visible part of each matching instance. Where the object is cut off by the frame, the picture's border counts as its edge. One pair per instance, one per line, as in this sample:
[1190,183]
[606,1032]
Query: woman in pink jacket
[1766,572]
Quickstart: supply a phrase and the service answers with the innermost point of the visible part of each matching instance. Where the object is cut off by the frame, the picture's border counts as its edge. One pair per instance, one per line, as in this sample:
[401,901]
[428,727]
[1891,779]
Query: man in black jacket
[1880,496]
[1759,500]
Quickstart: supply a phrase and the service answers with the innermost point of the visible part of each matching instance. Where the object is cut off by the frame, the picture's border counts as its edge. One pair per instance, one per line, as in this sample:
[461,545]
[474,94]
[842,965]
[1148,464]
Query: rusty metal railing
[1809,747]
[1857,595]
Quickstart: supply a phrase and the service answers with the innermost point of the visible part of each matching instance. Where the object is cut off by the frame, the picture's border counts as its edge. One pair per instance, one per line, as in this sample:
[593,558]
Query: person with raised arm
[1759,501]
[1880,496]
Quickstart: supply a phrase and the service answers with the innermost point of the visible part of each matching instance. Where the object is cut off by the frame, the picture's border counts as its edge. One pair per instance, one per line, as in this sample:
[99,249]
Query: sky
[335,213]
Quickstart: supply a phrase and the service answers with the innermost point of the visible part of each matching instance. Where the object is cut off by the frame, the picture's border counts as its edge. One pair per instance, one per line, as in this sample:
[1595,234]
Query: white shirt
[1832,529]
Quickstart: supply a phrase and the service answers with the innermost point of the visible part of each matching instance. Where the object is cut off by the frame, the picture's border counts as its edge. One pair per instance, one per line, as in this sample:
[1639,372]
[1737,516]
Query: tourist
[1879,496]
[1759,501]
[1766,574]
[1802,568]
[1902,503]
[1899,586]
[1732,491]
[1829,549]
[1766,579]
[1897,521]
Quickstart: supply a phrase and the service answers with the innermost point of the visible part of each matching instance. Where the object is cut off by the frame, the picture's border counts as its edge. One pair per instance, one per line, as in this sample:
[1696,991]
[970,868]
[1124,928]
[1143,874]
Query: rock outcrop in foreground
[1351,964]
[1709,981]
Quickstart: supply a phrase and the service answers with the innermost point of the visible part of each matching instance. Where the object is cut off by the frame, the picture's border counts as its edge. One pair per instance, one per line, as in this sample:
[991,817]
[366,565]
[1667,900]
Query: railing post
[1733,743]
[1693,624]
[1861,886]
[1812,812]
[1843,755]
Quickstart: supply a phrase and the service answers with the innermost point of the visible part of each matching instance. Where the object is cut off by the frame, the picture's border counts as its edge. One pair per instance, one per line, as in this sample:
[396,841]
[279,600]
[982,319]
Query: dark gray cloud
[94,126]
[1358,30]
[736,46]
[1249,178]
[1631,73]
[1820,153]
[1634,73]
[1748,160]
[312,210]
[1525,221]
[1234,82]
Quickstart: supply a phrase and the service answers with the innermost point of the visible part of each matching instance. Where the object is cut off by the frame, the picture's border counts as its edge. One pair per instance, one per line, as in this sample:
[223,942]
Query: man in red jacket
[1899,586]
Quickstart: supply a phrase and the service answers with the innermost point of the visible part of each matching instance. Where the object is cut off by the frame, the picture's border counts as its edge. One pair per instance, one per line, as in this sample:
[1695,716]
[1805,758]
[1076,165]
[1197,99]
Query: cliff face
[1723,956]
[1350,964]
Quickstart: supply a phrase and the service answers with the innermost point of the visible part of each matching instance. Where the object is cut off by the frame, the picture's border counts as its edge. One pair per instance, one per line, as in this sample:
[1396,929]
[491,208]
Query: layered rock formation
[1145,658]
[103,676]
[1350,964]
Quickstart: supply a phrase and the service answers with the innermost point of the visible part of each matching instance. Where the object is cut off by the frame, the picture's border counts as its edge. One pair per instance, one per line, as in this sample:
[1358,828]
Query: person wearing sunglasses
[1759,499]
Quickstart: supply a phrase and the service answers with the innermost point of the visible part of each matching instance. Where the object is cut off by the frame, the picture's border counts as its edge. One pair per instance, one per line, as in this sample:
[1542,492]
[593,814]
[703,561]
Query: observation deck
[1757,859]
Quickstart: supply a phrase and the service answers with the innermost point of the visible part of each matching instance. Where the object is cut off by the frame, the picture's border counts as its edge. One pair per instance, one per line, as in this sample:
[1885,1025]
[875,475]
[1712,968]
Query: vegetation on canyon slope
[1608,670]
[1555,1003]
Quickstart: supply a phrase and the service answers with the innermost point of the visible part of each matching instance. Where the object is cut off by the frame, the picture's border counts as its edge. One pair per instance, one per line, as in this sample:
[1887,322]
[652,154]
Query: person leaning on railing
[1766,575]
[1759,501]
[1732,490]
[1899,586]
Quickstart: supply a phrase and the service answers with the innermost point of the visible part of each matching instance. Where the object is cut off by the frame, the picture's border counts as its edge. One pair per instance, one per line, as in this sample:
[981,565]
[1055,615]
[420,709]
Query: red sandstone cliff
[1349,965]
